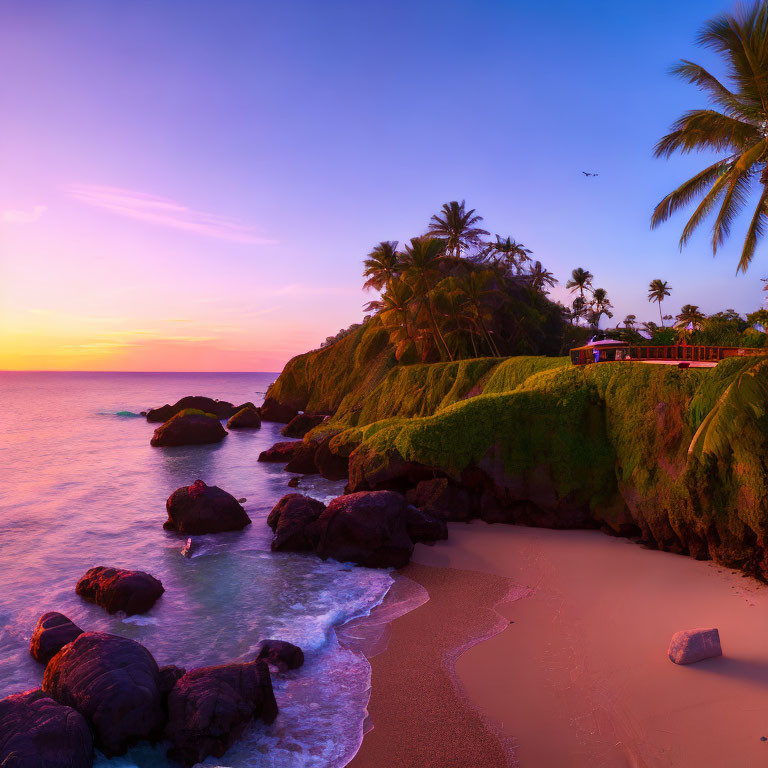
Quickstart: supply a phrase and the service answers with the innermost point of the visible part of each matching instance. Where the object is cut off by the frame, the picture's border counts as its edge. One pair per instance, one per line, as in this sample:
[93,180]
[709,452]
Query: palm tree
[540,277]
[382,264]
[457,227]
[630,321]
[601,305]
[581,280]
[738,131]
[478,291]
[509,252]
[657,290]
[421,260]
[578,308]
[690,315]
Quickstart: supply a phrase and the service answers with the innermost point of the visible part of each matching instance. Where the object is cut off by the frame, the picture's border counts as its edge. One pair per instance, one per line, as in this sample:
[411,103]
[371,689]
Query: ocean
[80,486]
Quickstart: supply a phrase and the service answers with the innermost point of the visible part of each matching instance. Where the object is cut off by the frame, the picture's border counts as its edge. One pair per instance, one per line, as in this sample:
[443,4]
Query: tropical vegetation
[735,128]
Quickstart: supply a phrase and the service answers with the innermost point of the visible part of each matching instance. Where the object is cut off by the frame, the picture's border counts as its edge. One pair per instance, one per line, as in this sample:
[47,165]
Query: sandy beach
[573,670]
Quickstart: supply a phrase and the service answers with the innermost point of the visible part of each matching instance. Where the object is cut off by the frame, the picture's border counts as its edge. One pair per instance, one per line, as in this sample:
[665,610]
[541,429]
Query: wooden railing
[691,353]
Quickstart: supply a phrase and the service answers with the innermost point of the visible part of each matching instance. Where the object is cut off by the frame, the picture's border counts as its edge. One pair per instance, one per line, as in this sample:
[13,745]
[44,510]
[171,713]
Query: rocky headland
[671,457]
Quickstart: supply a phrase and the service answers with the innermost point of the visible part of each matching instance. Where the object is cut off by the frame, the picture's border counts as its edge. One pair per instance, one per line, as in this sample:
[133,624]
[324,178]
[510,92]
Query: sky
[192,185]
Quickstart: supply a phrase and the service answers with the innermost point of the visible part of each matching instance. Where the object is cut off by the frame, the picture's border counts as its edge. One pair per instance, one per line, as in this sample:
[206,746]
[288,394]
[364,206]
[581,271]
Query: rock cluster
[190,427]
[107,691]
[201,508]
[376,529]
[219,408]
[115,589]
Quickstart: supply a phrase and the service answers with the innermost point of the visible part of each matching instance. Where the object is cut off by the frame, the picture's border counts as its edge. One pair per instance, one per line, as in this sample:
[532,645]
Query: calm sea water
[80,486]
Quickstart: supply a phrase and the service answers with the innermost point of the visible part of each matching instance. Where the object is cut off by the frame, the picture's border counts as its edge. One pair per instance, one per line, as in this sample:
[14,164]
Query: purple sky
[193,185]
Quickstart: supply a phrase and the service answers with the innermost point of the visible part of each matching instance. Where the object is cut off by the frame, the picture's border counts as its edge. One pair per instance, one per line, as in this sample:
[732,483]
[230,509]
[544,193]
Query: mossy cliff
[674,457]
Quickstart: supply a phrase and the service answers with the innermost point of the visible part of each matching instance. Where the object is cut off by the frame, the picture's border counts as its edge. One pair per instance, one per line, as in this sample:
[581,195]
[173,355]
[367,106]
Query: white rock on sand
[692,645]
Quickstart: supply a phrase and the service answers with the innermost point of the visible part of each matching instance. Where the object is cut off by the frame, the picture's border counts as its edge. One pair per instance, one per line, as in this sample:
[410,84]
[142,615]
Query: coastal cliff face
[676,458]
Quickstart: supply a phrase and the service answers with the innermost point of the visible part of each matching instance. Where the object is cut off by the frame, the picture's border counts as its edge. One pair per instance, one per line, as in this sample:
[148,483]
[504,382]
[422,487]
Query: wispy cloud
[13,216]
[165,212]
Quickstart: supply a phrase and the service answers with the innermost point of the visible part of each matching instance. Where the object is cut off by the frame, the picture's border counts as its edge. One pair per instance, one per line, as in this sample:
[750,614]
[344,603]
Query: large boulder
[208,709]
[189,427]
[303,459]
[219,408]
[368,528]
[280,654]
[300,424]
[246,418]
[443,497]
[114,683]
[52,632]
[201,508]
[37,732]
[331,465]
[292,520]
[281,452]
[692,645]
[115,589]
[272,410]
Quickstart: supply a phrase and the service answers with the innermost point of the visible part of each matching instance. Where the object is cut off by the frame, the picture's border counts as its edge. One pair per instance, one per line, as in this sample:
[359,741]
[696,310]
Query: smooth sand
[581,677]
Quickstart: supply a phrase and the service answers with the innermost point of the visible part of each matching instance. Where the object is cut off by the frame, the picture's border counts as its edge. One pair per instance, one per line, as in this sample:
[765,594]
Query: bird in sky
[590,174]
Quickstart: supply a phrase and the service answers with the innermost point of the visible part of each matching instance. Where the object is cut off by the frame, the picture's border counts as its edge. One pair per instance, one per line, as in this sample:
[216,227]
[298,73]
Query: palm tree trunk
[660,317]
[435,329]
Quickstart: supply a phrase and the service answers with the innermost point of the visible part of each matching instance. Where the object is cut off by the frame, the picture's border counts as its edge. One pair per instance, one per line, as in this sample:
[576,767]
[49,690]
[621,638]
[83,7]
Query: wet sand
[420,716]
[580,677]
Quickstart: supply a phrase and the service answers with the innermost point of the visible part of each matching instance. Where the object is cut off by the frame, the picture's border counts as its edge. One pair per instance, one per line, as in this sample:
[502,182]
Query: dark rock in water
[331,465]
[292,520]
[114,683]
[169,676]
[281,452]
[37,732]
[209,708]
[246,418]
[219,408]
[280,654]
[303,460]
[425,526]
[293,482]
[201,508]
[117,590]
[242,500]
[442,497]
[368,528]
[300,424]
[52,633]
[274,411]
[189,428]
